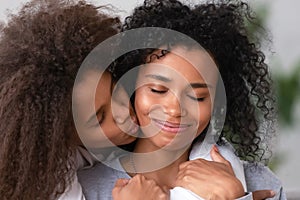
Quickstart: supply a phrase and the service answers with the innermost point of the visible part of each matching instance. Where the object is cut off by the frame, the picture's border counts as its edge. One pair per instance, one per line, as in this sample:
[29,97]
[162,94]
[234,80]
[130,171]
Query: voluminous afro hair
[219,27]
[41,50]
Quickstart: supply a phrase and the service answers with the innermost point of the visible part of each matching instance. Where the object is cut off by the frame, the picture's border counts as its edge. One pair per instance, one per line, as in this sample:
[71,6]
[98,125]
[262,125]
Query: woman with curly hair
[41,50]
[249,112]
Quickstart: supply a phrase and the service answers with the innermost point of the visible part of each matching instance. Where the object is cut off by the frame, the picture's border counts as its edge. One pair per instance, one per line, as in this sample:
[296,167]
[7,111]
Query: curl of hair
[41,50]
[219,27]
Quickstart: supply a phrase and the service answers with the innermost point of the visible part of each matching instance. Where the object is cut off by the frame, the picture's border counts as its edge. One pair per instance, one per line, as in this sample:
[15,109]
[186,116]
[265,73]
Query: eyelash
[164,91]
[158,91]
[197,99]
[102,118]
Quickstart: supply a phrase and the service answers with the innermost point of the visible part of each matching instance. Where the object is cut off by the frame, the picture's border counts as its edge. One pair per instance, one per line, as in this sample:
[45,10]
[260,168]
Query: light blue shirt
[97,182]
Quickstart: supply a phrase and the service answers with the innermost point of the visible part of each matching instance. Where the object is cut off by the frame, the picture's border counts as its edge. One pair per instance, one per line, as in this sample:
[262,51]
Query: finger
[183,165]
[137,179]
[263,194]
[121,182]
[119,185]
[166,191]
[217,157]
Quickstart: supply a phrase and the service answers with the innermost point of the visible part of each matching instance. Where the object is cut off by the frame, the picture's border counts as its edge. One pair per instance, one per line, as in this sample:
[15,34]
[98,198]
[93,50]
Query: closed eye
[158,91]
[100,121]
[101,118]
[200,99]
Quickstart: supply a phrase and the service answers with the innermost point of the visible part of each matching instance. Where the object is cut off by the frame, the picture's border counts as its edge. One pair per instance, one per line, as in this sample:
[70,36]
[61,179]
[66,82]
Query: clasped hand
[208,179]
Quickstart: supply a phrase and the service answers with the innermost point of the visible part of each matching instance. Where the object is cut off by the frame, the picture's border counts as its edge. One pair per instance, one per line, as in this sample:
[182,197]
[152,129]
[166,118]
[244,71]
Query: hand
[138,188]
[262,194]
[210,179]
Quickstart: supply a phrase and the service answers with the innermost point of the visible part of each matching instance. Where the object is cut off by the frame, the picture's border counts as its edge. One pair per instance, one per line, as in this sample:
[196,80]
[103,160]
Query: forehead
[192,64]
[93,85]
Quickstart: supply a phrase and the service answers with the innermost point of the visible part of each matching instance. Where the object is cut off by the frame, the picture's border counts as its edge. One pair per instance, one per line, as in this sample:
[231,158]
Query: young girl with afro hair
[41,50]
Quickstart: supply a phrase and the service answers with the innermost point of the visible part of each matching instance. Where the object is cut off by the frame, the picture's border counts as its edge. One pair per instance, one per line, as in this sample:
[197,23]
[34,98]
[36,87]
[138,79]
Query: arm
[216,178]
[201,172]
[263,194]
[260,177]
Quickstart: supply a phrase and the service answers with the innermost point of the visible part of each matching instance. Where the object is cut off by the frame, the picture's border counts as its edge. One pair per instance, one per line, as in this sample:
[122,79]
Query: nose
[173,106]
[121,111]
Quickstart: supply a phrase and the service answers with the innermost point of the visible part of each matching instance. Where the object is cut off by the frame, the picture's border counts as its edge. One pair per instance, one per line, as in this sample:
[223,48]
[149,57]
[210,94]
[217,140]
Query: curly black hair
[41,50]
[219,27]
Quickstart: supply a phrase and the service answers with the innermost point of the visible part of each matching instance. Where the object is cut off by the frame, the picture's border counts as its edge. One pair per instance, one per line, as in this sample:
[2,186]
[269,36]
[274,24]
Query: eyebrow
[165,79]
[200,85]
[158,77]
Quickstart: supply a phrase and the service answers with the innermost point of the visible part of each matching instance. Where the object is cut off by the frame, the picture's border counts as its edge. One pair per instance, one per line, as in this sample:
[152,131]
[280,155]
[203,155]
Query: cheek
[202,116]
[142,105]
[114,134]
[94,138]
[109,127]
[110,132]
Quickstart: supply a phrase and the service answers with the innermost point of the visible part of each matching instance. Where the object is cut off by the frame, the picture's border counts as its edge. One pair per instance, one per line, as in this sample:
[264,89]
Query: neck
[160,165]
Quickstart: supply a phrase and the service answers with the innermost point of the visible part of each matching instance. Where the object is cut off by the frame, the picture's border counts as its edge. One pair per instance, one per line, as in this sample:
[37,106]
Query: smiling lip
[171,127]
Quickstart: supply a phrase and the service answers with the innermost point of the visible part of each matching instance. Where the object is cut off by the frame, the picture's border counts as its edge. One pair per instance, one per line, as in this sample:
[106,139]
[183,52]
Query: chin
[126,140]
[176,146]
[128,146]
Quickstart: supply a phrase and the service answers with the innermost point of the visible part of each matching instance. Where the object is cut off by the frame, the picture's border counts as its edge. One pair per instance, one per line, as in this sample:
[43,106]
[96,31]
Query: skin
[96,125]
[174,101]
[128,188]
[116,125]
[215,171]
[117,128]
[177,108]
[218,172]
[263,194]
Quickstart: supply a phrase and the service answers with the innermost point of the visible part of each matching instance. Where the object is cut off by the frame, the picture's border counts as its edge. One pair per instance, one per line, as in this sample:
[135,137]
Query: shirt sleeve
[260,177]
[74,191]
[248,196]
[180,193]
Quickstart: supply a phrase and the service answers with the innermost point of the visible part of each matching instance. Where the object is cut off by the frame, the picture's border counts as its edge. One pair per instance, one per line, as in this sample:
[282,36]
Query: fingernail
[216,148]
[272,193]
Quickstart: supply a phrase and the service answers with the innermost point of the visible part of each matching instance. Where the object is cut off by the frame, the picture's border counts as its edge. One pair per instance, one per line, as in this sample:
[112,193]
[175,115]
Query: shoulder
[257,174]
[97,173]
[260,177]
[84,159]
[97,181]
[74,191]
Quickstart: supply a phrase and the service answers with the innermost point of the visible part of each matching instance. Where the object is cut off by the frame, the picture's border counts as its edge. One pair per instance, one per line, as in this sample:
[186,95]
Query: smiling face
[174,98]
[96,125]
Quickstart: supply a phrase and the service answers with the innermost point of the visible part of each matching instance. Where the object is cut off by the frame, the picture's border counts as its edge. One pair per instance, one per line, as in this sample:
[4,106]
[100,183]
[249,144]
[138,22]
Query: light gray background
[283,23]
